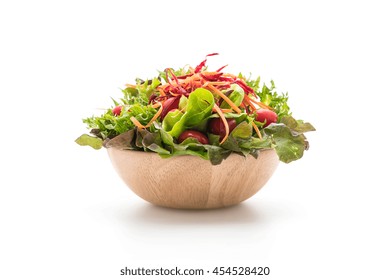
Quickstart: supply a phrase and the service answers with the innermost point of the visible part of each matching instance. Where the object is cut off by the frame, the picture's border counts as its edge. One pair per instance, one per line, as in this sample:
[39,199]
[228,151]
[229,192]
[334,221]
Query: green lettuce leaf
[236,96]
[125,140]
[109,130]
[241,141]
[269,96]
[152,142]
[289,147]
[171,119]
[183,103]
[199,107]
[243,130]
[216,154]
[110,126]
[88,140]
[297,126]
[256,143]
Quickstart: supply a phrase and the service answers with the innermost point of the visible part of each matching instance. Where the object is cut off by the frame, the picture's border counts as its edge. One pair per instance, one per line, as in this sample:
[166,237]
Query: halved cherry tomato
[266,116]
[169,105]
[193,134]
[216,126]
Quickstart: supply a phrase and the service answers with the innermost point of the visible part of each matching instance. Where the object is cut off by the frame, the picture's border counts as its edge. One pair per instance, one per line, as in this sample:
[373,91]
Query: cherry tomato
[216,126]
[193,134]
[266,116]
[117,110]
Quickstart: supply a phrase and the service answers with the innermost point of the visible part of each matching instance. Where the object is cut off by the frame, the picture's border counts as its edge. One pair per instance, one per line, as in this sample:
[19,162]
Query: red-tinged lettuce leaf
[232,144]
[122,141]
[289,147]
[241,141]
[243,130]
[151,141]
[216,154]
[88,140]
[297,126]
[240,134]
[287,140]
[257,144]
[191,146]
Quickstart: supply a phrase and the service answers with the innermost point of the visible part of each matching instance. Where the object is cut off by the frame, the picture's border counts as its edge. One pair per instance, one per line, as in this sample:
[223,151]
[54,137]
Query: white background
[65,214]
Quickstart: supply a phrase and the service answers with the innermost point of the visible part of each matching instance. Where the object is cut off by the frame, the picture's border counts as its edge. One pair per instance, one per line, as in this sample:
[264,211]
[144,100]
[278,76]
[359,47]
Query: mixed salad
[194,111]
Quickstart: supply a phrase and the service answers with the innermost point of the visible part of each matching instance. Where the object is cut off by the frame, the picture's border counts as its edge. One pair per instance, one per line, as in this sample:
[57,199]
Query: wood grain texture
[189,182]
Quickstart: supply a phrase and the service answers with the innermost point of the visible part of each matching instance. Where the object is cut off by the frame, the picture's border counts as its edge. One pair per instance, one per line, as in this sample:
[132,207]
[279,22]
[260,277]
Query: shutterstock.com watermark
[216,271]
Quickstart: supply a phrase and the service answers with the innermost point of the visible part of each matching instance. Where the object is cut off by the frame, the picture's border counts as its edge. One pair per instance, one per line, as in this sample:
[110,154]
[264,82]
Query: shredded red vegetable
[214,81]
[198,77]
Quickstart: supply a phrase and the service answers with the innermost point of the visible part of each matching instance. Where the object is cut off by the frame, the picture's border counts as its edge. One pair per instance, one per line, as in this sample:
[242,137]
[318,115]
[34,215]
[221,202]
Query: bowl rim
[154,154]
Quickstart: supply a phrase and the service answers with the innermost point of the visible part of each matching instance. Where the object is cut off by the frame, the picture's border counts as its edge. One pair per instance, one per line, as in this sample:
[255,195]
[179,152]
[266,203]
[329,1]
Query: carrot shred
[257,130]
[156,115]
[218,83]
[227,99]
[130,86]
[162,92]
[225,123]
[247,99]
[226,110]
[140,125]
[261,104]
[136,122]
[156,105]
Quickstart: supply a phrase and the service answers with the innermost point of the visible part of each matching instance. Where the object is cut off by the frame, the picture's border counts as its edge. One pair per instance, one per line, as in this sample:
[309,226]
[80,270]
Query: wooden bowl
[190,182]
